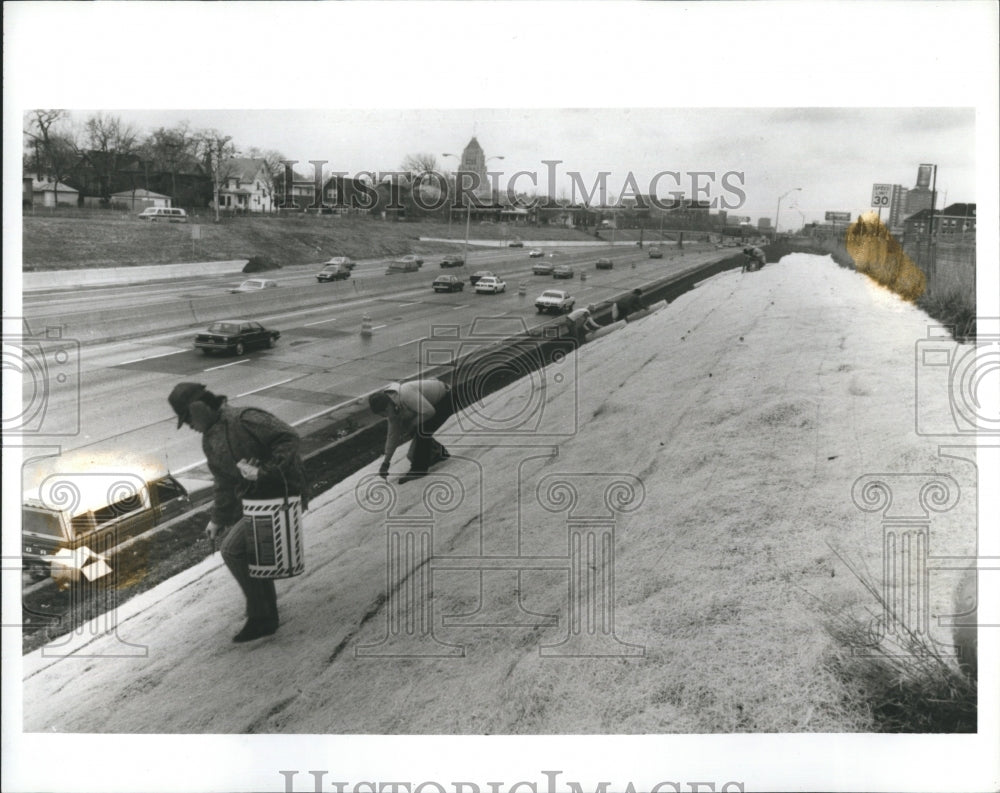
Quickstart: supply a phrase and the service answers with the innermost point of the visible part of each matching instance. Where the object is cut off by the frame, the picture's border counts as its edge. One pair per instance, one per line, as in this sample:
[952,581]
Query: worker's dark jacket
[252,434]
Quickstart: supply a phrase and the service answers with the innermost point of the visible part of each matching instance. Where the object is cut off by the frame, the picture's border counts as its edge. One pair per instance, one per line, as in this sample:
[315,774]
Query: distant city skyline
[833,154]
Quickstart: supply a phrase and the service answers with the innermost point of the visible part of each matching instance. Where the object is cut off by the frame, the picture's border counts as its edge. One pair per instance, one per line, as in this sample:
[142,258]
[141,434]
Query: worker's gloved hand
[249,469]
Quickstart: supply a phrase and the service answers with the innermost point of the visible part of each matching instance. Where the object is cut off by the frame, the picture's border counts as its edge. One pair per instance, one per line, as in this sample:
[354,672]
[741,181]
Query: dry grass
[878,254]
[901,684]
[77,239]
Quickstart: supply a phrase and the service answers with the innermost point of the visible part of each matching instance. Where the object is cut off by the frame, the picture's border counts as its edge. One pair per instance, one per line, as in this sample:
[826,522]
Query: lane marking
[379,327]
[411,341]
[150,357]
[223,366]
[265,387]
[319,322]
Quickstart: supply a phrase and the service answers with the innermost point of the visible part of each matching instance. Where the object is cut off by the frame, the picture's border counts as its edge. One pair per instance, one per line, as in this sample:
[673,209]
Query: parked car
[453,260]
[255,285]
[235,335]
[534,253]
[345,261]
[474,278]
[655,253]
[491,284]
[605,264]
[165,214]
[554,301]
[448,283]
[333,272]
[562,271]
[541,268]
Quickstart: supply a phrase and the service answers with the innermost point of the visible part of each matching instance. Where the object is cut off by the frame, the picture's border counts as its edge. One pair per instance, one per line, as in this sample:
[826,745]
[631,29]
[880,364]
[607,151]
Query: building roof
[41,187]
[244,168]
[959,211]
[143,193]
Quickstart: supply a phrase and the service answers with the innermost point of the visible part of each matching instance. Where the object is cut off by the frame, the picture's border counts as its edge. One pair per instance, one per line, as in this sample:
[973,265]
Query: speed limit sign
[881,195]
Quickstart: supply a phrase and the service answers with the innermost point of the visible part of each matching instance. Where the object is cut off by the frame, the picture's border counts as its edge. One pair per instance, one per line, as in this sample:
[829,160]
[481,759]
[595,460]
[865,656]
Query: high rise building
[474,164]
[897,206]
[920,196]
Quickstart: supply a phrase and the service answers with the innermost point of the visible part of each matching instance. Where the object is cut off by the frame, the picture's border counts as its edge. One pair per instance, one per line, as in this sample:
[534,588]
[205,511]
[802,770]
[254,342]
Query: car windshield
[557,295]
[226,328]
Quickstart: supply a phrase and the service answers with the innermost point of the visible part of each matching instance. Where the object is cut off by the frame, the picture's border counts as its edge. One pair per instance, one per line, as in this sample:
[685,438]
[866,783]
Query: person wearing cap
[417,408]
[580,322]
[251,453]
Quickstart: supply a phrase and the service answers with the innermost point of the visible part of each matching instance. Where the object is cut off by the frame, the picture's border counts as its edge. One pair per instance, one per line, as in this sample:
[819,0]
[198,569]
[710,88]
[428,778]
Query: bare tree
[114,141]
[217,151]
[419,163]
[50,148]
[170,149]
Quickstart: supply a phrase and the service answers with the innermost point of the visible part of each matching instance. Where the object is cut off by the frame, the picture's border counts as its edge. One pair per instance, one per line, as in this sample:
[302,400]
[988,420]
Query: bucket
[274,538]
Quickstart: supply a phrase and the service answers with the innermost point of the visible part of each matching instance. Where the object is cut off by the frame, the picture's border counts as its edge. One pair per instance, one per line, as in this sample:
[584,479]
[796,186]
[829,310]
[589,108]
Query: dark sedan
[605,264]
[453,260]
[480,274]
[655,253]
[448,283]
[235,336]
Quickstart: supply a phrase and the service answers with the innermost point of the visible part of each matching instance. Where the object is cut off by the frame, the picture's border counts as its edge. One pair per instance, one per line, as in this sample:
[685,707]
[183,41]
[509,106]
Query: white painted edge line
[226,365]
[411,341]
[319,322]
[265,387]
[379,327]
[150,357]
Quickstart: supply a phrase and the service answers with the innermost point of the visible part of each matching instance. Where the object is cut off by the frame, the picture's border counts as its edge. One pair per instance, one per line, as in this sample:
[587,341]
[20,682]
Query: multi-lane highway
[116,409]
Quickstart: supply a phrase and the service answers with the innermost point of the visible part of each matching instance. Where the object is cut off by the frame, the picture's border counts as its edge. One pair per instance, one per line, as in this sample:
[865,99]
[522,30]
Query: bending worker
[581,321]
[254,454]
[416,408]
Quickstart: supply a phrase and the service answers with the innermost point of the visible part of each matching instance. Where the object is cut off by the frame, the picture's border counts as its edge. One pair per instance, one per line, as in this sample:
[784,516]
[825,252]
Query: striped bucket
[275,537]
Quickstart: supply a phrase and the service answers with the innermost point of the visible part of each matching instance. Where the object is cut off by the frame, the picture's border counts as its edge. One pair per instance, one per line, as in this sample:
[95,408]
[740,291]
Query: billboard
[836,217]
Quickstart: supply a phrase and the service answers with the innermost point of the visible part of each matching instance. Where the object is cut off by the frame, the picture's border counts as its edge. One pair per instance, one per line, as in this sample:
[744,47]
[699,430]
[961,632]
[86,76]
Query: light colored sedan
[255,285]
[555,301]
[534,253]
[490,285]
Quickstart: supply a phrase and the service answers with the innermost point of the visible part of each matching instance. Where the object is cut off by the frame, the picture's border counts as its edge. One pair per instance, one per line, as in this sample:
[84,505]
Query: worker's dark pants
[424,444]
[262,600]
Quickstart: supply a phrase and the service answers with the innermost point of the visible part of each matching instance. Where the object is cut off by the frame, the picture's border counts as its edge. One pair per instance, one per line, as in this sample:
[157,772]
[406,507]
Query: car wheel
[238,349]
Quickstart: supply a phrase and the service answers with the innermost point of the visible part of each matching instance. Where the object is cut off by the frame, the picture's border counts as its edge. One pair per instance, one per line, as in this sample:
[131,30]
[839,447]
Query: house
[138,200]
[952,220]
[49,194]
[246,186]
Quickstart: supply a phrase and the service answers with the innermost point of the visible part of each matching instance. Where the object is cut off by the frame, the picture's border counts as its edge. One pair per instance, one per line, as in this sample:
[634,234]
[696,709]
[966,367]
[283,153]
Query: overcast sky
[834,155]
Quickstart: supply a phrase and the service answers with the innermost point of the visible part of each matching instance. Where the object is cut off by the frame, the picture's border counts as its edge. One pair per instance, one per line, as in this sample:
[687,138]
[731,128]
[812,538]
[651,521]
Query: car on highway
[655,253]
[534,253]
[490,284]
[605,264]
[554,301]
[345,261]
[235,336]
[411,257]
[453,260]
[333,272]
[562,271]
[448,283]
[474,278]
[254,285]
[401,266]
[541,268]
[515,243]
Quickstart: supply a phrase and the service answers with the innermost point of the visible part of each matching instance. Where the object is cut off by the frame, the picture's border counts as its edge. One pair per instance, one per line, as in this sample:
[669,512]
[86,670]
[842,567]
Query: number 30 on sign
[881,195]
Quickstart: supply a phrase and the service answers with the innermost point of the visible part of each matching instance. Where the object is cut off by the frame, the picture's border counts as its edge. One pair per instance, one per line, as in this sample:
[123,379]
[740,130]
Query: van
[402,266]
[103,510]
[169,214]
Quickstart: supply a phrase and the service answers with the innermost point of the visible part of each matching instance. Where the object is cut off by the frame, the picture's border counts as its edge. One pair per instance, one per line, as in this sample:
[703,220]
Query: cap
[181,398]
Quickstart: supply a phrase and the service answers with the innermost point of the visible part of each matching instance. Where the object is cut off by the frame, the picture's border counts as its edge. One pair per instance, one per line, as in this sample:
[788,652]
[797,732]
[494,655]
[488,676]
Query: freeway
[112,406]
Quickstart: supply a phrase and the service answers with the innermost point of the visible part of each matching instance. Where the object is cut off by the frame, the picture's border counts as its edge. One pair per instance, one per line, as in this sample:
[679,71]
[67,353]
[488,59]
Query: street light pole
[777,211]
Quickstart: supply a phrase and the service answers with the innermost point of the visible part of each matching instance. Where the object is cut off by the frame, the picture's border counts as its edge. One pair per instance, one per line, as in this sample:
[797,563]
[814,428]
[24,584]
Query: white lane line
[459,308]
[319,322]
[223,366]
[411,341]
[379,327]
[150,357]
[414,303]
[265,387]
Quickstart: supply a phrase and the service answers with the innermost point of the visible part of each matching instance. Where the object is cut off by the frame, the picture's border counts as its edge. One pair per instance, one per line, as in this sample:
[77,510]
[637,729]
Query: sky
[833,154]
